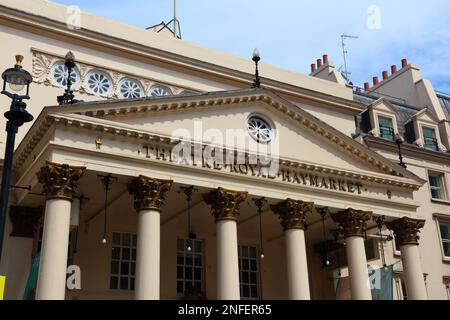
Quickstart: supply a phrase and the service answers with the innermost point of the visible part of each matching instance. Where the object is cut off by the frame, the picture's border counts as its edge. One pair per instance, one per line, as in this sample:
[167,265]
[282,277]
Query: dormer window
[386,128]
[380,120]
[429,139]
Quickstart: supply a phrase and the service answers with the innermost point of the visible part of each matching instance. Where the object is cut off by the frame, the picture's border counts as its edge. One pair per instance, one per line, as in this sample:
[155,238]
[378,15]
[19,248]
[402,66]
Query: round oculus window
[129,89]
[98,82]
[259,129]
[59,74]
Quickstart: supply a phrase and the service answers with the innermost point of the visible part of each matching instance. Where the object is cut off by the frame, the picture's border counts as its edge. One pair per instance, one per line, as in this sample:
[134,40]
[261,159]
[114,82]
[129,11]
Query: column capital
[292,213]
[24,220]
[352,223]
[149,193]
[406,230]
[225,203]
[60,181]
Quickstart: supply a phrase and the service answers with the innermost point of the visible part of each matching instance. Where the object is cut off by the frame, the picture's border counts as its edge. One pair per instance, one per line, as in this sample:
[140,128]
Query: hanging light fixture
[106,180]
[379,220]
[260,202]
[323,213]
[189,191]
[335,233]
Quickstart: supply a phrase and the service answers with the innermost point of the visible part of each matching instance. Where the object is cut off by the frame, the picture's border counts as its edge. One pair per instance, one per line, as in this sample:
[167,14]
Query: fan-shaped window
[130,89]
[158,91]
[59,75]
[98,82]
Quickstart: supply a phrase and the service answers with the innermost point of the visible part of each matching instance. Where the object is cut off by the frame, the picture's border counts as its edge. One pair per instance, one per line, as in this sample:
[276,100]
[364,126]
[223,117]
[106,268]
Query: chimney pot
[313,67]
[325,59]
[319,63]
[375,81]
[394,69]
[358,89]
[366,86]
[404,63]
[385,75]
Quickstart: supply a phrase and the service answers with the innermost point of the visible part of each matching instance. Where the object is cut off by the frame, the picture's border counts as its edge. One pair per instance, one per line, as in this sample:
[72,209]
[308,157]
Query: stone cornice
[93,112]
[147,137]
[408,150]
[56,29]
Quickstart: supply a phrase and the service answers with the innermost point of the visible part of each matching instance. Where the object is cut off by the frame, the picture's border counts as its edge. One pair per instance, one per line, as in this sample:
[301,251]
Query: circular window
[259,129]
[98,82]
[129,89]
[158,91]
[59,74]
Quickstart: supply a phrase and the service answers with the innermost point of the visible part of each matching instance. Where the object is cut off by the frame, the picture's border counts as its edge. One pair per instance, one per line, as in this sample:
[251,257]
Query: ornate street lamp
[399,142]
[256,59]
[17,79]
[68,96]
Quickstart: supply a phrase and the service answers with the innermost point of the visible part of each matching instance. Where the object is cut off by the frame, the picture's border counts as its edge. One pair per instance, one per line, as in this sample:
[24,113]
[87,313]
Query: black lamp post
[256,59]
[399,142]
[68,96]
[18,79]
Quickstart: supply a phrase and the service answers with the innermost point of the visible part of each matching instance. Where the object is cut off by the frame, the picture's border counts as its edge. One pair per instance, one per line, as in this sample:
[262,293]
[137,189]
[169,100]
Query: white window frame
[419,125]
[376,122]
[193,266]
[131,277]
[400,286]
[396,250]
[440,218]
[435,128]
[257,272]
[443,180]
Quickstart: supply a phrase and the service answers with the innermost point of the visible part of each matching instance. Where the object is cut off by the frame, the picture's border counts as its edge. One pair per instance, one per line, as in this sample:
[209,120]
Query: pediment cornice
[90,116]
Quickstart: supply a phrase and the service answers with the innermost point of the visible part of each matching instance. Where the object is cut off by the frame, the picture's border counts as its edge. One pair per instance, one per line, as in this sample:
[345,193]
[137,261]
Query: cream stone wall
[191,67]
[432,258]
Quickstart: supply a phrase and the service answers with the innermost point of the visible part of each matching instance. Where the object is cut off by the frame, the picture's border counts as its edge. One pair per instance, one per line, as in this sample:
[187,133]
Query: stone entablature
[83,114]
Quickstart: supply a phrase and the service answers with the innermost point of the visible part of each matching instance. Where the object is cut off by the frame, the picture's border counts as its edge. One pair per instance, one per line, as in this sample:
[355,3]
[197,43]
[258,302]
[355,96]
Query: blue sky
[294,33]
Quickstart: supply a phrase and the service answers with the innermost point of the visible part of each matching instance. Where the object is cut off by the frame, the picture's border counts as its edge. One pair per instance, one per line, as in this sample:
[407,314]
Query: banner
[2,286]
[381,284]
[32,278]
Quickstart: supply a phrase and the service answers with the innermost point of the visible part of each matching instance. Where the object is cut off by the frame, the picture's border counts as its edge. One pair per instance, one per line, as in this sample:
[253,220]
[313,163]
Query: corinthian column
[225,208]
[149,195]
[60,182]
[352,224]
[292,215]
[406,231]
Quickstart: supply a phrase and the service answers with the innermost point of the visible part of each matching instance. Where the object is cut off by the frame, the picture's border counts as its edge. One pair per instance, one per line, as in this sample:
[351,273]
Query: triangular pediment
[384,105]
[302,137]
[426,115]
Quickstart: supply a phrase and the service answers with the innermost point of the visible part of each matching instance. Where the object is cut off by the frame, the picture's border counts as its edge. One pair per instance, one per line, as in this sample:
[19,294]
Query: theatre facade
[176,178]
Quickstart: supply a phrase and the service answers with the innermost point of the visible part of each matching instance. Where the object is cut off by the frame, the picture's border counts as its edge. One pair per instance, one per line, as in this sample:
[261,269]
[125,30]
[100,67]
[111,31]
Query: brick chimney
[394,69]
[313,67]
[319,63]
[375,81]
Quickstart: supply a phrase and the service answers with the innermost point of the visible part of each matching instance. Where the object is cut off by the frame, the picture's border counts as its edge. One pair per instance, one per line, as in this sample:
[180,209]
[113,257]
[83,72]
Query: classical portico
[160,247]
